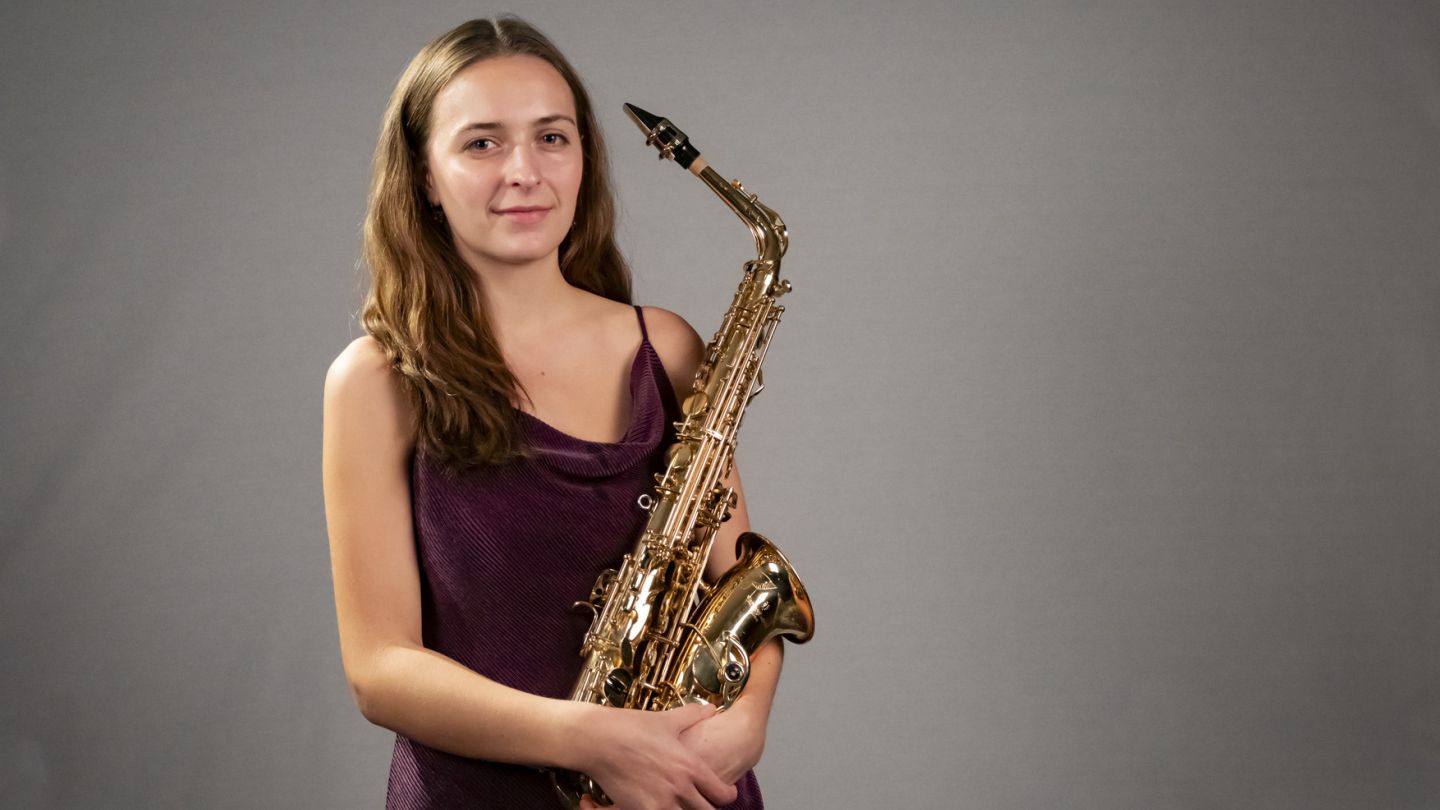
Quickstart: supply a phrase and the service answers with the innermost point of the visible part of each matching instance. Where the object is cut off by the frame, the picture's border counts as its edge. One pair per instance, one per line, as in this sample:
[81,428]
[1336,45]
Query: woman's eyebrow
[494,125]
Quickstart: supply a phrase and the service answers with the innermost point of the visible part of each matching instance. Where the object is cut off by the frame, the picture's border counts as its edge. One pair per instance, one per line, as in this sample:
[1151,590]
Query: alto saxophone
[661,637]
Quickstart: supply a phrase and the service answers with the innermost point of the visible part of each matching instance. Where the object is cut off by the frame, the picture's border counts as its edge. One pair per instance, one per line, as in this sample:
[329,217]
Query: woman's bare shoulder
[363,355]
[678,345]
[362,383]
[360,369]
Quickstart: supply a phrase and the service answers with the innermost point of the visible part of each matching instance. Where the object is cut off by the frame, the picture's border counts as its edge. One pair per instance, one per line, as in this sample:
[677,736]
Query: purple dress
[504,554]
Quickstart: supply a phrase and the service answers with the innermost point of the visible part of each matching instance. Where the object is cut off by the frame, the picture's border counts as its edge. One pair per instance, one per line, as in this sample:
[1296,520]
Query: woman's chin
[516,256]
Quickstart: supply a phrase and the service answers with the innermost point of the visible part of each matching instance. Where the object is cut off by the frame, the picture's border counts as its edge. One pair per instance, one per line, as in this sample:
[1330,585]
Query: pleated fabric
[504,555]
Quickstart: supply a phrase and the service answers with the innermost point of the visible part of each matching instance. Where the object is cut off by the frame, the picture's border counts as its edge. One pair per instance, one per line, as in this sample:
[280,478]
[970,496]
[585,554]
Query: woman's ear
[430,195]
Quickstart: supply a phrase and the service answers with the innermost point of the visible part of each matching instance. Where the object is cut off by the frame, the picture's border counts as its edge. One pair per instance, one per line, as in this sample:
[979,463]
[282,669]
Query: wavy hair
[425,304]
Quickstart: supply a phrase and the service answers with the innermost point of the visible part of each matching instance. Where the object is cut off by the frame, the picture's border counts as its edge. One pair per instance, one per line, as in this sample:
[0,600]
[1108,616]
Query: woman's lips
[523,215]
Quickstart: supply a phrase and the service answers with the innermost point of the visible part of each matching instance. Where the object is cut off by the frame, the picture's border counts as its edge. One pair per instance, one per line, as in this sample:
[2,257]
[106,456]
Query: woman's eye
[480,143]
[554,138]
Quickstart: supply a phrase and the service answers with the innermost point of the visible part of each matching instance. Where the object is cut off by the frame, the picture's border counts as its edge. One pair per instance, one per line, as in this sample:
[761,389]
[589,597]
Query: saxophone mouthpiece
[647,121]
[664,136]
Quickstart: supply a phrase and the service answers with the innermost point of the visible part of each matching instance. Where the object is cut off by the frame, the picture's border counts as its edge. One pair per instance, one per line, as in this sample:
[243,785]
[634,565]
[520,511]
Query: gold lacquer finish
[661,636]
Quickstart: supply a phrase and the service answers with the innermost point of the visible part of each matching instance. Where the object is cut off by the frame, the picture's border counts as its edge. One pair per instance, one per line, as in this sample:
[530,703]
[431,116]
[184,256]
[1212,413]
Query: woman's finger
[696,801]
[714,788]
[689,714]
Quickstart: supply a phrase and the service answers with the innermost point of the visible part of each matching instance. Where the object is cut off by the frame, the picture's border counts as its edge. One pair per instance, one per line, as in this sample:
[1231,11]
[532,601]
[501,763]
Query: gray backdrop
[1103,423]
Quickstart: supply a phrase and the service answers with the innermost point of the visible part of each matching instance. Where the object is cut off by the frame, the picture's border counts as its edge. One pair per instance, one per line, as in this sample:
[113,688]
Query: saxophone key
[678,456]
[695,403]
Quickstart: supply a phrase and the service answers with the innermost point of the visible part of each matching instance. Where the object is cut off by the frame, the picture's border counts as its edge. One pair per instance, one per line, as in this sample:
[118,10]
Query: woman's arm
[732,742]
[428,697]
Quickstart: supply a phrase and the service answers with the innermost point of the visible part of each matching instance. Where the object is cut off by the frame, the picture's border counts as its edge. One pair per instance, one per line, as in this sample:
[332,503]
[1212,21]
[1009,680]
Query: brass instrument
[661,636]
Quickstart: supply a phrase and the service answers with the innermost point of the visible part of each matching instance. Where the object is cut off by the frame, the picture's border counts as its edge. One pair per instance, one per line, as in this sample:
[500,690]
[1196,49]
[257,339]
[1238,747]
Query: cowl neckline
[591,459]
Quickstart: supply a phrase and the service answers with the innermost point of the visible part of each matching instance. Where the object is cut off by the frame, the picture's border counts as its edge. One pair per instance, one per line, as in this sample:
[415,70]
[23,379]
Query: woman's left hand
[730,743]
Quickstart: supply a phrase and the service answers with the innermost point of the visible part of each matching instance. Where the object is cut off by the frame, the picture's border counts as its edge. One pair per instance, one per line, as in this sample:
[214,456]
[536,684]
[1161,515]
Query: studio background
[1103,424]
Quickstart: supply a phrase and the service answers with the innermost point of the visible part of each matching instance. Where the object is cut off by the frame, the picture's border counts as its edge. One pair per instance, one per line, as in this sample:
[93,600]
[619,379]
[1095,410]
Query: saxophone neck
[771,237]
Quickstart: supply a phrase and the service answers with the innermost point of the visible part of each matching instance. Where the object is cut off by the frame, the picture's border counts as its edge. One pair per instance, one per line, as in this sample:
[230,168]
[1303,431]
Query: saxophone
[661,637]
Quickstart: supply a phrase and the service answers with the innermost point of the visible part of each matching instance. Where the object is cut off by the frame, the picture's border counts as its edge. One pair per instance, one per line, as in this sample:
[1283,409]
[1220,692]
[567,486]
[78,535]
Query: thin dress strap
[640,316]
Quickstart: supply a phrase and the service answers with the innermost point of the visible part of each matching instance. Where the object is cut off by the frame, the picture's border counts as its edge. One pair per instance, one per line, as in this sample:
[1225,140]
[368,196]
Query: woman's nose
[521,168]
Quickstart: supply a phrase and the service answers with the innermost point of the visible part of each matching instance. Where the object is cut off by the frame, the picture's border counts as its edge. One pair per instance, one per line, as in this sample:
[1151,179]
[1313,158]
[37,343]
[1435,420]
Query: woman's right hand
[638,759]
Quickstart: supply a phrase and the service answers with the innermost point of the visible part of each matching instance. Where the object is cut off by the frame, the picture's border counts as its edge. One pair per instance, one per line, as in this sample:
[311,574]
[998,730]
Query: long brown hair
[425,305]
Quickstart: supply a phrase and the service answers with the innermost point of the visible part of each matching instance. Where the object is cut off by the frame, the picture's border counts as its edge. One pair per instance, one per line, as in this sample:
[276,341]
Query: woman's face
[504,160]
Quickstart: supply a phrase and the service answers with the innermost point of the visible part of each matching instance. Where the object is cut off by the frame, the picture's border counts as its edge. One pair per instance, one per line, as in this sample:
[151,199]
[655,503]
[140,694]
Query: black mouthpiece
[647,121]
[664,136]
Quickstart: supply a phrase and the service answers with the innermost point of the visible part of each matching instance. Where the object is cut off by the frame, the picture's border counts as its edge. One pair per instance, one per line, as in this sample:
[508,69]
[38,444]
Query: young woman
[485,443]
